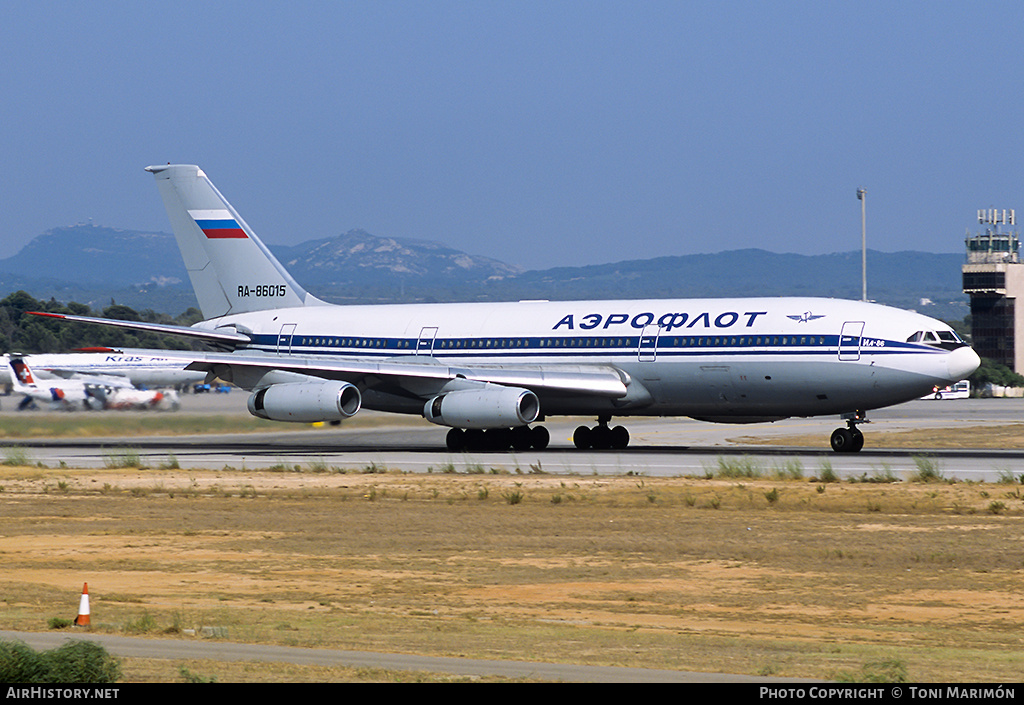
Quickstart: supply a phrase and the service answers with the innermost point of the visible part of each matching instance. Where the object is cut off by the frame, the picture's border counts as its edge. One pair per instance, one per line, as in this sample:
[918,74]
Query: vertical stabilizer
[22,378]
[231,270]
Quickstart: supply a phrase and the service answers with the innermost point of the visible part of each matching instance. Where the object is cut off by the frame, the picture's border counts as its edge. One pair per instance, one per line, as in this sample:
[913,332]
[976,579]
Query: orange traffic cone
[82,620]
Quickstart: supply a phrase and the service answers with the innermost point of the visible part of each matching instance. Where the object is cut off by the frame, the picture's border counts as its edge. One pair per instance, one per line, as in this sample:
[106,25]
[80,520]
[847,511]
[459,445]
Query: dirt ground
[770,576]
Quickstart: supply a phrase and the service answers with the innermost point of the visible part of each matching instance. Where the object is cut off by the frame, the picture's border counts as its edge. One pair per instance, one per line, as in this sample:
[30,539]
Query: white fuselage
[721,359]
[139,368]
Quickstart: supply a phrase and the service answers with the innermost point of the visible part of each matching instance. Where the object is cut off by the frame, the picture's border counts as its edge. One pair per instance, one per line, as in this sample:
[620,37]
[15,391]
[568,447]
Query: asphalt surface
[226,651]
[658,446]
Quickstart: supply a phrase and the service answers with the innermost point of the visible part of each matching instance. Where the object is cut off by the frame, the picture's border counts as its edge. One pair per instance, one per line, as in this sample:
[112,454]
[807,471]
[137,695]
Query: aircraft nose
[962,362]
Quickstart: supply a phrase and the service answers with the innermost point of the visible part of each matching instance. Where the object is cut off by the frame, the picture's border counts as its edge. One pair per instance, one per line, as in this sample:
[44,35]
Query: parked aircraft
[86,391]
[144,369]
[490,371]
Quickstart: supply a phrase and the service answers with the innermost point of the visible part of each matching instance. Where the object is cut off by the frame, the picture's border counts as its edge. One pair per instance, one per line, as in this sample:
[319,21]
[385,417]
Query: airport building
[994,279]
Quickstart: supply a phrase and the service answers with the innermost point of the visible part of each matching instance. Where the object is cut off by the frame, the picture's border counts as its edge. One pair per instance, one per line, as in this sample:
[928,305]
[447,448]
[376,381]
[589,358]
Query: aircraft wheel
[858,441]
[539,437]
[499,438]
[522,438]
[842,440]
[475,439]
[619,437]
[600,438]
[581,438]
[456,439]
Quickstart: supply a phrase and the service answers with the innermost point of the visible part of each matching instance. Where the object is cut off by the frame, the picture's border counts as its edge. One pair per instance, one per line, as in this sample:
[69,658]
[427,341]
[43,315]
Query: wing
[420,379]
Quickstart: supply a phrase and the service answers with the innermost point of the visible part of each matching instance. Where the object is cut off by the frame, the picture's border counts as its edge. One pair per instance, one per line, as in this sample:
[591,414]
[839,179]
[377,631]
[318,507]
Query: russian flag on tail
[218,224]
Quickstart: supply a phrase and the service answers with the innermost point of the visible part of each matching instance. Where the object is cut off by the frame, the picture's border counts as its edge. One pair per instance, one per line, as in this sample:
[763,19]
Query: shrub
[883,671]
[826,473]
[744,466]
[76,661]
[927,469]
[20,664]
[15,456]
[82,661]
[512,496]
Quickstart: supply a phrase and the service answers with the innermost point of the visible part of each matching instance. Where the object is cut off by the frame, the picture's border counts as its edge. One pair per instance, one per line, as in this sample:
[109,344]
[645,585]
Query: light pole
[862,197]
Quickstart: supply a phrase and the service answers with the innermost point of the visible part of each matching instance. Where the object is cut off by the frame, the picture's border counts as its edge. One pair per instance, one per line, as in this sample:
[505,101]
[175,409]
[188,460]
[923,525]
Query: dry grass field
[772,575]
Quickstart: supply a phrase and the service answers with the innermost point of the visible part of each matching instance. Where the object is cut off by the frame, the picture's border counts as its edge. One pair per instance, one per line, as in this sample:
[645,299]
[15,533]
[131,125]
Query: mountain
[355,256]
[94,265]
[90,254]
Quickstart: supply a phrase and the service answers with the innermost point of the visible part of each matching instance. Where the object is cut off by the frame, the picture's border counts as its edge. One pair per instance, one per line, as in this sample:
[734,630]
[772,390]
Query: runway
[658,447]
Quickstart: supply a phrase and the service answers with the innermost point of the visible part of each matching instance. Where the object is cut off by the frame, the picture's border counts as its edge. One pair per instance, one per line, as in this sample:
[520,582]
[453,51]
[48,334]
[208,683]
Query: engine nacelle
[306,402]
[493,406]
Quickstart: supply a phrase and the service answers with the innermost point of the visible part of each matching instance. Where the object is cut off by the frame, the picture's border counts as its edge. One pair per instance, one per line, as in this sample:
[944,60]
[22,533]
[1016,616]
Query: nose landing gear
[849,439]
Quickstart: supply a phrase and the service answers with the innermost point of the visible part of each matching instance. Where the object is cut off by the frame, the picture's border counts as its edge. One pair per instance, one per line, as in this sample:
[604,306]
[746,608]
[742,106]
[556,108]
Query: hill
[96,265]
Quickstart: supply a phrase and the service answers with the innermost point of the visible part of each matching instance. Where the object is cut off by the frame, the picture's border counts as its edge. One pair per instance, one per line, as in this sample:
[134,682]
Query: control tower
[994,279]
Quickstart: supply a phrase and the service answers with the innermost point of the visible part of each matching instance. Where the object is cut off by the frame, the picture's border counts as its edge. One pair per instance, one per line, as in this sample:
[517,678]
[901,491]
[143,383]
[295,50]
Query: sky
[541,134]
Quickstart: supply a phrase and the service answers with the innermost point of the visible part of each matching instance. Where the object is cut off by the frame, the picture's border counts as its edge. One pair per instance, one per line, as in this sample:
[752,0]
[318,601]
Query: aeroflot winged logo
[806,316]
[218,224]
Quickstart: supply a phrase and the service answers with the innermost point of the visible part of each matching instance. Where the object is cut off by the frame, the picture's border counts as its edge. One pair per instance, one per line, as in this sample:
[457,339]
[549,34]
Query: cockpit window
[945,339]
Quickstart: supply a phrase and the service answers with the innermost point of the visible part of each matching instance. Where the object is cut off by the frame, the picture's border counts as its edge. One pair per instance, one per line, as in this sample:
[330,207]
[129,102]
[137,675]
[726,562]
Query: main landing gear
[519,438]
[601,437]
[849,439]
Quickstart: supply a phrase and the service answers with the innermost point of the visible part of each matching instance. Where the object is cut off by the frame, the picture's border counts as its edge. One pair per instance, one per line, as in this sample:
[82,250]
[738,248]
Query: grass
[126,425]
[742,575]
[123,458]
[15,456]
[759,567]
[131,424]
[927,469]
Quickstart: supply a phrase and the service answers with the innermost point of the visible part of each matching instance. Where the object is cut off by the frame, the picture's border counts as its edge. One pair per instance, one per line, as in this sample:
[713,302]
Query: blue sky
[538,133]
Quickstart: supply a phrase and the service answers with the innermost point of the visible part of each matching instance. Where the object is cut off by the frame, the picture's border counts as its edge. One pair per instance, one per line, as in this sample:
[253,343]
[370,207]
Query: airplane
[85,391]
[492,372]
[142,368]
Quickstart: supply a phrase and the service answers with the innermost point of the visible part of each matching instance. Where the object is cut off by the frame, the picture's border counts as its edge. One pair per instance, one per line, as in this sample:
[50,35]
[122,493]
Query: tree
[25,334]
[992,372]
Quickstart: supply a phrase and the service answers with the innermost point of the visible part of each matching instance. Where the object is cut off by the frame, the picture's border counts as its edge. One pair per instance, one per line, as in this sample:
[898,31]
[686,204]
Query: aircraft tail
[231,270]
[22,380]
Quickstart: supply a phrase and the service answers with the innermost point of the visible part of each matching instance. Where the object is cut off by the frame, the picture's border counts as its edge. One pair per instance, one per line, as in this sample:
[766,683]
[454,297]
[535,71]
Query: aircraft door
[647,348]
[849,340]
[425,343]
[284,339]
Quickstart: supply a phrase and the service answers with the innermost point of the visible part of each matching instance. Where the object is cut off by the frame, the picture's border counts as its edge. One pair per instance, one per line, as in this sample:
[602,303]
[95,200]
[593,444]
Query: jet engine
[306,402]
[492,406]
